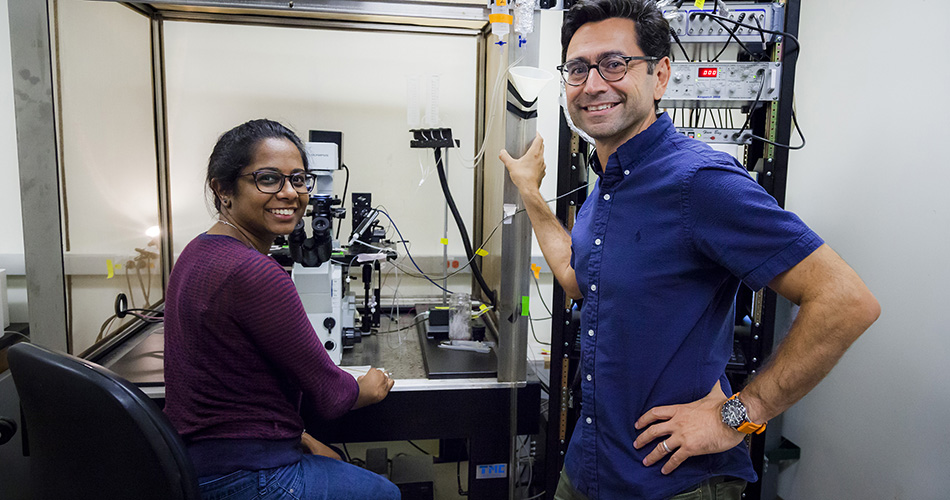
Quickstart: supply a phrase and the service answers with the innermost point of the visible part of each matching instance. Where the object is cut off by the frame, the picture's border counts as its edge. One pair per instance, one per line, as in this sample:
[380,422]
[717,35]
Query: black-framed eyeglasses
[611,68]
[270,182]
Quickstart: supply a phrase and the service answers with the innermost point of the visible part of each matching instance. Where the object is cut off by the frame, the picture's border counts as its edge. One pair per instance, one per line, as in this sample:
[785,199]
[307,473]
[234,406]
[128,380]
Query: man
[657,252]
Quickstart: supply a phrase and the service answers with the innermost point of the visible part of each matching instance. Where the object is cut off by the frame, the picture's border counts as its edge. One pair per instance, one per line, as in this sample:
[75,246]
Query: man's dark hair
[235,150]
[653,31]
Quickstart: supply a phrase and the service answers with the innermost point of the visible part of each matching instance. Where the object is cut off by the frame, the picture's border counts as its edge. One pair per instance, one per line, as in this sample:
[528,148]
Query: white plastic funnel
[529,80]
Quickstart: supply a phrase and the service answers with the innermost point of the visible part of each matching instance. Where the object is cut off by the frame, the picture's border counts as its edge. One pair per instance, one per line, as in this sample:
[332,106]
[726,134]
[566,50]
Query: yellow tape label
[110,268]
[699,3]
[445,241]
[481,252]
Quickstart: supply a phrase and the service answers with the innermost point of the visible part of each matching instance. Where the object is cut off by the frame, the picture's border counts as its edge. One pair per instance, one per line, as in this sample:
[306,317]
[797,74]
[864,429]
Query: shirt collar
[630,153]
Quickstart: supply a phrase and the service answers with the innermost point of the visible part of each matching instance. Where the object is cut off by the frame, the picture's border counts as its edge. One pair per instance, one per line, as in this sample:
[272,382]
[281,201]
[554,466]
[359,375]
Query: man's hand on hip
[691,429]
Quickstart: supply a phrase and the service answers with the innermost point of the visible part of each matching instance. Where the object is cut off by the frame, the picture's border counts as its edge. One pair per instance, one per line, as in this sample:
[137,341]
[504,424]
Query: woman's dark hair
[653,31]
[235,150]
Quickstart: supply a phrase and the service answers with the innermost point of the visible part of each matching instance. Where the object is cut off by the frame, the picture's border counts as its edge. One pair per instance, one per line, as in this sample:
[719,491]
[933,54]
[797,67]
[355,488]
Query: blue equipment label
[492,471]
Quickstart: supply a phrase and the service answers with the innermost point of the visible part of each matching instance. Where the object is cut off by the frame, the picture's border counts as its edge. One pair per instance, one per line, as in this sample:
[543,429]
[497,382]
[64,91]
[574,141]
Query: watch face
[733,413]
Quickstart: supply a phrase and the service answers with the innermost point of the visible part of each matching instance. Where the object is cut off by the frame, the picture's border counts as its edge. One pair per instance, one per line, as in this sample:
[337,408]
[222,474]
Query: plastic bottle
[500,18]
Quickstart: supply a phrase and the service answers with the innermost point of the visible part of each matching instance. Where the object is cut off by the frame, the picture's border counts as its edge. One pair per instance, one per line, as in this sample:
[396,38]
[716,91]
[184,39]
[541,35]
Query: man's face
[613,112]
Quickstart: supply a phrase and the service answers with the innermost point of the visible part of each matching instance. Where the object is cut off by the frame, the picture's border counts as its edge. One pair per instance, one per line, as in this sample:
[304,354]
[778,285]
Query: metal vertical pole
[571,173]
[777,315]
[39,174]
[161,144]
[516,251]
[516,235]
[445,236]
[478,216]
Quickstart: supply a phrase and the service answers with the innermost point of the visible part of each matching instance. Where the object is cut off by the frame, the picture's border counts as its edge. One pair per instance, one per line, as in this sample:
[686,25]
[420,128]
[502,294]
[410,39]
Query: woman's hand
[317,448]
[374,386]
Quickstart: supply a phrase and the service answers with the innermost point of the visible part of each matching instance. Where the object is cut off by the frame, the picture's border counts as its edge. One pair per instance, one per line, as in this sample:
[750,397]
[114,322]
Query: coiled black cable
[443,180]
[346,184]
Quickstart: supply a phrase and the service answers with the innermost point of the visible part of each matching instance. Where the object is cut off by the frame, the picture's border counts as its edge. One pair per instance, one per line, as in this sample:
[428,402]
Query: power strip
[695,25]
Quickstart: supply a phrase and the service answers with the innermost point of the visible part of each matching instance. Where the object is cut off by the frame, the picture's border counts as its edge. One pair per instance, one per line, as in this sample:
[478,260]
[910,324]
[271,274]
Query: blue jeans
[314,477]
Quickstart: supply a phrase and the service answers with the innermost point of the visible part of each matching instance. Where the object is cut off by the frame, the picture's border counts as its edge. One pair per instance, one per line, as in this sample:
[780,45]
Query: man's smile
[600,107]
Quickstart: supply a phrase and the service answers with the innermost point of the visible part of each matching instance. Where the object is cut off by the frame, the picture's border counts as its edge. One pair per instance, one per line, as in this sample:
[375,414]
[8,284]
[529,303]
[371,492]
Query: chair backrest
[93,435]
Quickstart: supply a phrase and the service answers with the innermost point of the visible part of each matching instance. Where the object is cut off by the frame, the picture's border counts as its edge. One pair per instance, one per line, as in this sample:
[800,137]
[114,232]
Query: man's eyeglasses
[271,182]
[611,68]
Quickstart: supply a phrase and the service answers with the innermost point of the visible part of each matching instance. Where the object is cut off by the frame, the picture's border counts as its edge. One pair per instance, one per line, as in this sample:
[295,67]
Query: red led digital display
[708,72]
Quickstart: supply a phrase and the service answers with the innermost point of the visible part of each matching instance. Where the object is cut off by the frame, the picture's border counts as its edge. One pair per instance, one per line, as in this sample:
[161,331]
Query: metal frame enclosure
[39,172]
[39,163]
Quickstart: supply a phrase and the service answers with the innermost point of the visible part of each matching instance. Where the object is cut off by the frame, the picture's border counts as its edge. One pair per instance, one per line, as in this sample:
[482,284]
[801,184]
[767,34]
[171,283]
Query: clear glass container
[460,317]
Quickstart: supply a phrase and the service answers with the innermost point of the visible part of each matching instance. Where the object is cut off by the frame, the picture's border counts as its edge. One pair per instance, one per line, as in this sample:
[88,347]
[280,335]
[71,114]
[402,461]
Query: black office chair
[93,435]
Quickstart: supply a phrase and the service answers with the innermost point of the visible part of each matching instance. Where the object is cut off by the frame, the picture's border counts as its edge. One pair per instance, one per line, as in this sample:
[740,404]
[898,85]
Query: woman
[240,353]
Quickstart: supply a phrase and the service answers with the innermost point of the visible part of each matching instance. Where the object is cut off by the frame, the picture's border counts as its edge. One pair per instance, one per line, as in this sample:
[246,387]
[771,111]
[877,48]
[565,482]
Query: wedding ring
[665,447]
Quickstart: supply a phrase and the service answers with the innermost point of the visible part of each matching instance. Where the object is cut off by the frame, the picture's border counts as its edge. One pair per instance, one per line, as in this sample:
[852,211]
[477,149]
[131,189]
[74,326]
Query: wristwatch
[734,415]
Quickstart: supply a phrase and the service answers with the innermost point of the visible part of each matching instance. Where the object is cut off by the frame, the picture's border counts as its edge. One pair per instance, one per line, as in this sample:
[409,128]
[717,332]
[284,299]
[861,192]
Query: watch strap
[748,427]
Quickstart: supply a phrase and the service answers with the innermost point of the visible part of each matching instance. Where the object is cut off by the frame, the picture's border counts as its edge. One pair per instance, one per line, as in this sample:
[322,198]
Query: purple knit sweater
[239,354]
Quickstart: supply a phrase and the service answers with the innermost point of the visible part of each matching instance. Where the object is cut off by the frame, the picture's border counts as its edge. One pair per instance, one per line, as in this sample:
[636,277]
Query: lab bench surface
[476,409]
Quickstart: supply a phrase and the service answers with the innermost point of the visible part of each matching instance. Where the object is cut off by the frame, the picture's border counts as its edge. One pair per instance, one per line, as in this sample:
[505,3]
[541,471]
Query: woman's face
[264,216]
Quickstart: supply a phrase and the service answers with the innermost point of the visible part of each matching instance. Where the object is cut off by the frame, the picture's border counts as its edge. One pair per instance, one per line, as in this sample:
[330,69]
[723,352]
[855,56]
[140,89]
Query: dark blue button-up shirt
[659,249]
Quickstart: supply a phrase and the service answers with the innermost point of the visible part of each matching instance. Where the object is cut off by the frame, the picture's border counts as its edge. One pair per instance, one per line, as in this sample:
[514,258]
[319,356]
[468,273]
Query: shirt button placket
[589,393]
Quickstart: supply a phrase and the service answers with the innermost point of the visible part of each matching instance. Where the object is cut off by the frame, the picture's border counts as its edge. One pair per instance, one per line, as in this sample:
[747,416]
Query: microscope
[320,265]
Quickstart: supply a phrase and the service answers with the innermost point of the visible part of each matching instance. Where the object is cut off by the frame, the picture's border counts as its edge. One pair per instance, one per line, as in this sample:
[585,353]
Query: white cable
[562,99]
[424,167]
[399,337]
[493,106]
[373,246]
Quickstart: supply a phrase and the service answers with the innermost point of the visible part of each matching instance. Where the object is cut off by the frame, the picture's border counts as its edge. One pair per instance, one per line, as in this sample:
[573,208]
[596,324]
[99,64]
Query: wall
[356,82]
[11,222]
[13,467]
[873,184]
[104,112]
[110,183]
[220,76]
